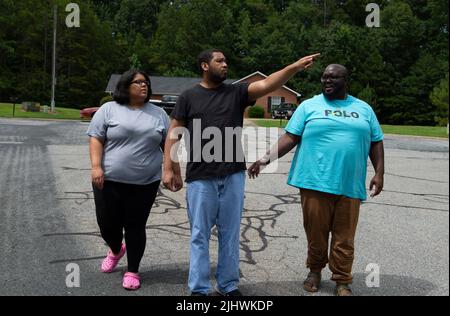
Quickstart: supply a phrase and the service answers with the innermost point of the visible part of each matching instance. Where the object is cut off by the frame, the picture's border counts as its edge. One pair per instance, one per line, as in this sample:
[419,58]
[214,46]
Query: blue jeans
[216,201]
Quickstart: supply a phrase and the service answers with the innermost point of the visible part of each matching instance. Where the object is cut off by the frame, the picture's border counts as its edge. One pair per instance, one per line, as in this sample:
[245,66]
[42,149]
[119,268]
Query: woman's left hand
[98,177]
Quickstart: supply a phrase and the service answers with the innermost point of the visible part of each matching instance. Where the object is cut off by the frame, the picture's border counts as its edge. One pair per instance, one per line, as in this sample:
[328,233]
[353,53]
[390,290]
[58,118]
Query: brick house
[174,86]
[282,95]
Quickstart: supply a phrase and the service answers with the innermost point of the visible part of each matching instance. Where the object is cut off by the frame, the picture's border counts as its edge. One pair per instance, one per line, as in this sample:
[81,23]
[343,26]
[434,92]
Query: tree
[423,76]
[134,62]
[368,95]
[439,97]
[7,49]
[137,17]
[199,25]
[395,68]
[106,10]
[24,50]
[86,58]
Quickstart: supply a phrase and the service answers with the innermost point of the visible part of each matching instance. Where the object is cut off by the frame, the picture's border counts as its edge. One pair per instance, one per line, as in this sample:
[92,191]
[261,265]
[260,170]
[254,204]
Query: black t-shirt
[214,118]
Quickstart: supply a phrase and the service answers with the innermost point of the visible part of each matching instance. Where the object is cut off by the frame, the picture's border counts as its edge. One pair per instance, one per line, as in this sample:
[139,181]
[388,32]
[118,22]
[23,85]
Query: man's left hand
[255,168]
[306,62]
[377,182]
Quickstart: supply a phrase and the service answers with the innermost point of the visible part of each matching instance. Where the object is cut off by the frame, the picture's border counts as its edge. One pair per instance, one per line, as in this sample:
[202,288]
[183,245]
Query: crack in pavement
[253,220]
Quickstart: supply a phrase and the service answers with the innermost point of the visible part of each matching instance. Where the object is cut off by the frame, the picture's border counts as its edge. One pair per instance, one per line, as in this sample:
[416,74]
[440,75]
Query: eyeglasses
[331,77]
[140,82]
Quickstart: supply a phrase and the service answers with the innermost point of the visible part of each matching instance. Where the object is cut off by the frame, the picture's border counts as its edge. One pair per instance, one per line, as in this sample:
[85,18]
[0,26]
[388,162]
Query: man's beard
[337,92]
[216,77]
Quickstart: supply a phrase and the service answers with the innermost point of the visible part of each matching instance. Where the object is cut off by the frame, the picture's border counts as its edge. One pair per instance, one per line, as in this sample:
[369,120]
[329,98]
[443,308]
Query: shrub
[256,112]
[108,98]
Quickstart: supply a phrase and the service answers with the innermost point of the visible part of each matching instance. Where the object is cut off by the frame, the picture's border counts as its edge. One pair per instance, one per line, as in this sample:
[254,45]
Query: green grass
[429,131]
[6,110]
[269,122]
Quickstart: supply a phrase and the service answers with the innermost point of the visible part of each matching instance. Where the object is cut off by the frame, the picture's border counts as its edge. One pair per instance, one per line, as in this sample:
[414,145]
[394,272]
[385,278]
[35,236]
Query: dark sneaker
[312,282]
[234,293]
[198,294]
[231,293]
[343,290]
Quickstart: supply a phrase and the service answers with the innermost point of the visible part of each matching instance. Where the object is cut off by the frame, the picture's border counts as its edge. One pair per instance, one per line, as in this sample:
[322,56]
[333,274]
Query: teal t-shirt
[335,142]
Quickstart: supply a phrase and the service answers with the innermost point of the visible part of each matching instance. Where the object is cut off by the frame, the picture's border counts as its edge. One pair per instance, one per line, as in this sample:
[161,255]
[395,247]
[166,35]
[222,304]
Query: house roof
[265,76]
[164,85]
[112,83]
[176,85]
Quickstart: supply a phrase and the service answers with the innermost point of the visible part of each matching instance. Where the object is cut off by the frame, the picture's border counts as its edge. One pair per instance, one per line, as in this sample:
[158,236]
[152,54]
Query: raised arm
[282,147]
[278,79]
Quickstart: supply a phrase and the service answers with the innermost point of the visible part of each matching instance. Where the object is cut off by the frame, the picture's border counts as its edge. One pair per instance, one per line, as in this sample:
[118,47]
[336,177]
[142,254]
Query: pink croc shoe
[131,281]
[111,261]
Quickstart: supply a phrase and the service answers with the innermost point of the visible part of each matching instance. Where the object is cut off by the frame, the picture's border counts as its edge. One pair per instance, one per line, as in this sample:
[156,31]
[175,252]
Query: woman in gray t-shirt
[126,139]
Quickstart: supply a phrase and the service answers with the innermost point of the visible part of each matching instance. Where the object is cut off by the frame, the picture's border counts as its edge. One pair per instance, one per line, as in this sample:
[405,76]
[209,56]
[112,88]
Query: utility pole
[55,20]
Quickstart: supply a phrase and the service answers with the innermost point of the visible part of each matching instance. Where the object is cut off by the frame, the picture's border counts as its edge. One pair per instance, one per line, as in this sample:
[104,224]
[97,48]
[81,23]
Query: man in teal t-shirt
[336,133]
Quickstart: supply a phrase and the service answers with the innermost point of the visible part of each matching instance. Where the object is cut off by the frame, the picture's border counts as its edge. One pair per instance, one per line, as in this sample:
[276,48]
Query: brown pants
[325,213]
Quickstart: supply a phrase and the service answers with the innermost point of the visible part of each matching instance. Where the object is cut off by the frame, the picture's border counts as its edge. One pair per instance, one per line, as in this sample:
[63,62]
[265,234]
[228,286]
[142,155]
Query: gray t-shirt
[132,141]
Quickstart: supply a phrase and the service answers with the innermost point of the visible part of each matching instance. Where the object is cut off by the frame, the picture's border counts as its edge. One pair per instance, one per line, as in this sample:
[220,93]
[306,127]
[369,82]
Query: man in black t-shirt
[213,114]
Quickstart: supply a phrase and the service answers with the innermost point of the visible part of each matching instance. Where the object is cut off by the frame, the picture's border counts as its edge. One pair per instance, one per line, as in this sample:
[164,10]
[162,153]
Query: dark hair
[205,57]
[122,92]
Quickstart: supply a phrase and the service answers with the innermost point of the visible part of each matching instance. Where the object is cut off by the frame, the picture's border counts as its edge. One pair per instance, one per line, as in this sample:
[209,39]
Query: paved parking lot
[47,222]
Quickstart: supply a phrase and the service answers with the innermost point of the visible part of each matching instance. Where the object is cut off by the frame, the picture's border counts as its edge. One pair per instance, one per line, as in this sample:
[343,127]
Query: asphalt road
[47,224]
